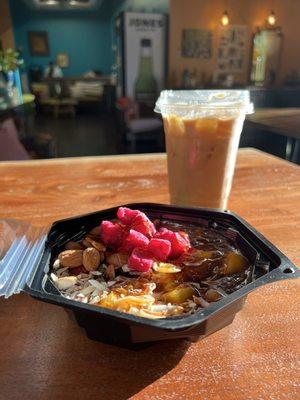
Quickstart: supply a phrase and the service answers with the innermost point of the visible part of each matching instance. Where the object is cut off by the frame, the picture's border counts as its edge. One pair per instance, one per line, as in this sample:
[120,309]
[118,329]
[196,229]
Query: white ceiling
[64,4]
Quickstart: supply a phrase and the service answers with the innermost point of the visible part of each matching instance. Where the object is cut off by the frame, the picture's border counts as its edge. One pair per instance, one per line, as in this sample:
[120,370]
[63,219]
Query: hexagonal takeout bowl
[128,330]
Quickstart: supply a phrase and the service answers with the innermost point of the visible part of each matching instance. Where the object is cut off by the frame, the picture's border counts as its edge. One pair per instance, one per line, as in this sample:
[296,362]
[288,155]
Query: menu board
[196,43]
[231,53]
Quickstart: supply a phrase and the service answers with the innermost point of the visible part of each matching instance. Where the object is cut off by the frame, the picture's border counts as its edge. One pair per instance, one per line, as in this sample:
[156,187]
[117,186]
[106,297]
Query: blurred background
[80,77]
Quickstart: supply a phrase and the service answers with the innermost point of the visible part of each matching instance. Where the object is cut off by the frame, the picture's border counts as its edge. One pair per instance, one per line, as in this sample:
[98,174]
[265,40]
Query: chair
[60,106]
[11,148]
[131,128]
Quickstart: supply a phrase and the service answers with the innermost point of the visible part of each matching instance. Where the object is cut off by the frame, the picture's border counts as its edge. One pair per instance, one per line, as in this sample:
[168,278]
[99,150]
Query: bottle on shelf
[145,84]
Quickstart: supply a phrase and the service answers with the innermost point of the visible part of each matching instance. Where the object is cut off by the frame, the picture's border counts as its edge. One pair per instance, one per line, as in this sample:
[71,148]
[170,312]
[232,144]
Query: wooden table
[44,355]
[282,121]
[278,120]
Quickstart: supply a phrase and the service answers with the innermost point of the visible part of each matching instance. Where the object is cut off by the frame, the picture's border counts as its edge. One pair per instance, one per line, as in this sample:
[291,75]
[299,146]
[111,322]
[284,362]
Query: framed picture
[62,60]
[38,43]
[231,53]
[196,43]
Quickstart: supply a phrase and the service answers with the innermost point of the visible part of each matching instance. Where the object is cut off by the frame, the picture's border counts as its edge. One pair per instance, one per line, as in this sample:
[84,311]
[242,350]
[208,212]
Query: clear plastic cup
[202,130]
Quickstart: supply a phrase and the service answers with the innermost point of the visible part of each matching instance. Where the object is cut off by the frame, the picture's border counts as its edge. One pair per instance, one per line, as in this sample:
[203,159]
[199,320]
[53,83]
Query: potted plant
[10,62]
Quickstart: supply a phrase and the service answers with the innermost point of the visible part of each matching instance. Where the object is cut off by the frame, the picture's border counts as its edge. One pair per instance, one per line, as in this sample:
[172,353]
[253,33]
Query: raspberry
[160,248]
[134,239]
[140,260]
[143,225]
[179,241]
[137,220]
[111,233]
[126,215]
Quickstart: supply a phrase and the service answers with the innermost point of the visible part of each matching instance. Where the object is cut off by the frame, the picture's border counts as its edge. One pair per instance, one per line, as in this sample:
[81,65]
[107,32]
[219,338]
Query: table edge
[116,157]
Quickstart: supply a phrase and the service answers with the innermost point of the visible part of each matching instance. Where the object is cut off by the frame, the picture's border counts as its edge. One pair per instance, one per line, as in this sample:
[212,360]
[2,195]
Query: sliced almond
[110,272]
[73,246]
[95,300]
[87,290]
[90,242]
[200,301]
[148,314]
[60,271]
[117,259]
[66,282]
[85,243]
[56,264]
[98,285]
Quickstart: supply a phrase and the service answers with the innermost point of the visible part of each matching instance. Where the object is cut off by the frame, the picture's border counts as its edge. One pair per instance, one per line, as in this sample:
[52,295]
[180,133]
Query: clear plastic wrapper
[192,104]
[21,247]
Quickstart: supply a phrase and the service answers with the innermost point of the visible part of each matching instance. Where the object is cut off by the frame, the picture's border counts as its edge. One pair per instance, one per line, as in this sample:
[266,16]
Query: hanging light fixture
[225,18]
[272,18]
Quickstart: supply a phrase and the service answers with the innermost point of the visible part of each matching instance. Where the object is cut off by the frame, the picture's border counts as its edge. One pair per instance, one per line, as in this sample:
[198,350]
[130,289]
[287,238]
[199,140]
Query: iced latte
[202,137]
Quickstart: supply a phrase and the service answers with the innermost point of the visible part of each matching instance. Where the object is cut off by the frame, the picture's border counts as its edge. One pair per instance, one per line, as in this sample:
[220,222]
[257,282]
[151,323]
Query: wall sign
[196,43]
[38,43]
[62,60]
[231,53]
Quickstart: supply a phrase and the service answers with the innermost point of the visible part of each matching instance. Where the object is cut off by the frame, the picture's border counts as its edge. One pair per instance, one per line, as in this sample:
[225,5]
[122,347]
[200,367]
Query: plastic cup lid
[204,100]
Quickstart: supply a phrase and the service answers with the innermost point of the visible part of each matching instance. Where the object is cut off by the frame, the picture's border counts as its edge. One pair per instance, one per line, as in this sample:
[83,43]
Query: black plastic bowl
[127,330]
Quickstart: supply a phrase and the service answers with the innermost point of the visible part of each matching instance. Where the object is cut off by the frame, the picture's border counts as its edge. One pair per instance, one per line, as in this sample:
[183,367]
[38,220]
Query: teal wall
[142,5]
[86,36]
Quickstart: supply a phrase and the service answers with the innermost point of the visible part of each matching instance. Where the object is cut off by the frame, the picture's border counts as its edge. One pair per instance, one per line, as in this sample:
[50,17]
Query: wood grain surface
[44,355]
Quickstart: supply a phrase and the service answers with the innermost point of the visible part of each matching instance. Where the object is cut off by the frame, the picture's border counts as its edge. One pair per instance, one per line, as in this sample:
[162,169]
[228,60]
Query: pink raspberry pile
[136,235]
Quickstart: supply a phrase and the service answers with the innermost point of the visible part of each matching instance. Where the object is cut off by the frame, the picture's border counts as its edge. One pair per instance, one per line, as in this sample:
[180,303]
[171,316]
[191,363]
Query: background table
[278,120]
[283,122]
[44,355]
